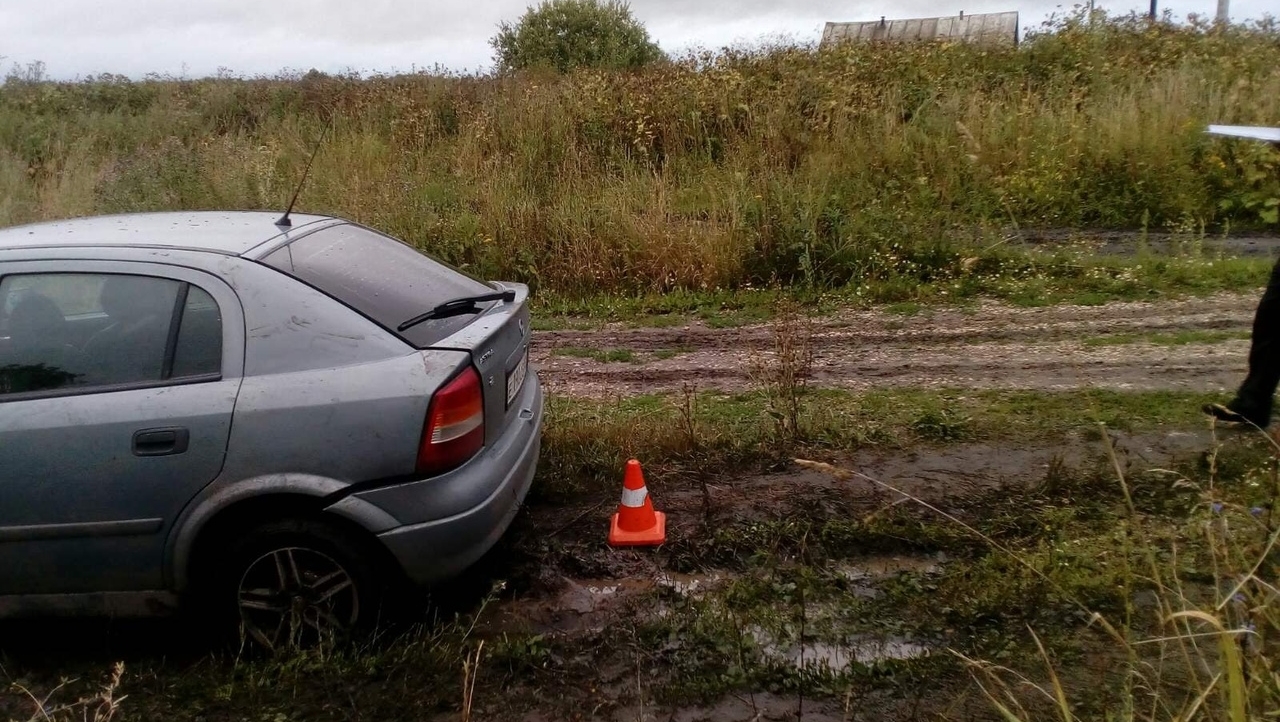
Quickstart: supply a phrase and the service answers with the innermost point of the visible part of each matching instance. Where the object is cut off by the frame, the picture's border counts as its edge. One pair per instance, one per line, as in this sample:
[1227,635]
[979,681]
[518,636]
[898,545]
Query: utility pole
[1224,12]
[1153,10]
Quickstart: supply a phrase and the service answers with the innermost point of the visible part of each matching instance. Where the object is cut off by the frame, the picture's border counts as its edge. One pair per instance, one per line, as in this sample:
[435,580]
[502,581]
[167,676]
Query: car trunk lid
[498,341]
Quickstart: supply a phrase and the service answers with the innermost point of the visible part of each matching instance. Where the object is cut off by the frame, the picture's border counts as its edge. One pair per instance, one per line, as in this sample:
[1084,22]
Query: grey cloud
[134,37]
[367,20]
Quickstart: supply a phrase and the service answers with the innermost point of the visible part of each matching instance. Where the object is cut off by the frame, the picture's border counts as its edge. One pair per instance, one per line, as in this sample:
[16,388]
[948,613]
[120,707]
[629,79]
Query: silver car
[273,423]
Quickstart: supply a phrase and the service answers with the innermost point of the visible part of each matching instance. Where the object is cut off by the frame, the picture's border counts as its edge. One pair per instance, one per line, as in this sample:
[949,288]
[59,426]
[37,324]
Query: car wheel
[298,583]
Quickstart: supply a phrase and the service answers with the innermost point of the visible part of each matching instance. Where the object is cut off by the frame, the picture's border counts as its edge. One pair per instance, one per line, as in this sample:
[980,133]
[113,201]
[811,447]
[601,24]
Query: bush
[568,34]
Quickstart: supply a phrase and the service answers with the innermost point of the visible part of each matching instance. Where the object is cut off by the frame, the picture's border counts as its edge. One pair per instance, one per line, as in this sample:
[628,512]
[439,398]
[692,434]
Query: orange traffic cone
[636,524]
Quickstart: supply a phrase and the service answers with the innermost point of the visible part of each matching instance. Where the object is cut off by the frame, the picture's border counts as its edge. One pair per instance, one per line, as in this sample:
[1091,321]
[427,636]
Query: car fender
[187,529]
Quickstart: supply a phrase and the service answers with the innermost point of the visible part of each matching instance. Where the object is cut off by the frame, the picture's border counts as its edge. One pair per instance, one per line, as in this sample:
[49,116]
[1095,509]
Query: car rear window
[382,278]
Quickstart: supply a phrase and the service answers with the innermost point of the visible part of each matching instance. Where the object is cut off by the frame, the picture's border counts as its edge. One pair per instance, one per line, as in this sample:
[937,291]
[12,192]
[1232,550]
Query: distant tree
[568,34]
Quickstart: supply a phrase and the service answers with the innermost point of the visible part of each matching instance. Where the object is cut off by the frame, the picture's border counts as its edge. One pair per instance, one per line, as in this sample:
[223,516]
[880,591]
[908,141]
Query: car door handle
[160,442]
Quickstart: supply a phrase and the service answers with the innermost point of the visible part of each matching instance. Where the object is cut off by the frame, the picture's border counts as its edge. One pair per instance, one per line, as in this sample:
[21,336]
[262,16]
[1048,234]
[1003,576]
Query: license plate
[515,379]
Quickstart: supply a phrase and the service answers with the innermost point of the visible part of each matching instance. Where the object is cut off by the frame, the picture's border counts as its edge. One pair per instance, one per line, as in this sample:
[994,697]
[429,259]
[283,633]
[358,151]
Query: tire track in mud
[986,346]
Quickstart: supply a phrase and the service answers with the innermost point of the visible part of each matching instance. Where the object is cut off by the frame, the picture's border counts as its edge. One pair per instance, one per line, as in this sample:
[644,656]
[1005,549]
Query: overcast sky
[194,38]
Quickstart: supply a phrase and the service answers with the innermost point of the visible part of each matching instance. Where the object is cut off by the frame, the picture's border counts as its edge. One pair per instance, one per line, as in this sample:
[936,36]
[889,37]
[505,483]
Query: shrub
[568,34]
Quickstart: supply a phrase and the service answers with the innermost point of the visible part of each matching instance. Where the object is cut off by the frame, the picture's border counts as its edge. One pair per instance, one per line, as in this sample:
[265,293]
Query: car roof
[226,232]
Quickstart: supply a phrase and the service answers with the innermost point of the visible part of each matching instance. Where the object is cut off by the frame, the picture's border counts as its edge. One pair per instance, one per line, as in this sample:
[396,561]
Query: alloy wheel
[297,597]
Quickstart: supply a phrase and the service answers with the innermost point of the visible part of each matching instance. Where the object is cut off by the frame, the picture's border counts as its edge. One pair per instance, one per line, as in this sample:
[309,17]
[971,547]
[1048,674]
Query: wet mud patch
[684,629]
[583,631]
[654,647]
[591,605]
[836,655]
[706,516]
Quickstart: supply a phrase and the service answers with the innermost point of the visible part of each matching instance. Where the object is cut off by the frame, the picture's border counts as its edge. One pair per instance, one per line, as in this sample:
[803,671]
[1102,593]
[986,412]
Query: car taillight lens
[454,431]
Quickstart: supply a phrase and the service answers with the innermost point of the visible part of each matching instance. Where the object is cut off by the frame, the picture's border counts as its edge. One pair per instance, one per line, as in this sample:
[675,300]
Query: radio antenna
[284,221]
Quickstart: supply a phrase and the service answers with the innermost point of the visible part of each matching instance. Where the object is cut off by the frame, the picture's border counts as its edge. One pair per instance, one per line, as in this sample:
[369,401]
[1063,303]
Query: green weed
[1178,338]
[906,308]
[663,354]
[616,355]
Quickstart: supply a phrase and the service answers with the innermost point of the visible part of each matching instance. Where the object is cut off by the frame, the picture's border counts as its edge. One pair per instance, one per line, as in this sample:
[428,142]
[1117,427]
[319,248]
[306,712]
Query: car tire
[298,583]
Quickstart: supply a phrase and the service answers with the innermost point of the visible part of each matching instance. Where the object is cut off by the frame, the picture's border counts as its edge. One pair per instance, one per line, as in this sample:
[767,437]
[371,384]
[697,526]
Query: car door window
[199,348]
[75,330]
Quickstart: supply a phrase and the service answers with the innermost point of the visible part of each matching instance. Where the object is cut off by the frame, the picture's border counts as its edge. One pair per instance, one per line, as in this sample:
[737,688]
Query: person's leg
[1253,400]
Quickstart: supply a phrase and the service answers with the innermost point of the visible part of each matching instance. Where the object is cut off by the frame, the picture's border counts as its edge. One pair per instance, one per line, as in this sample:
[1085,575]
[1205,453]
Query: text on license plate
[515,379]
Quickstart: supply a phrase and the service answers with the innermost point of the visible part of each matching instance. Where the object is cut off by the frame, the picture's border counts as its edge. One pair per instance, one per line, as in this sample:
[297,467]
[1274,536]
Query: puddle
[585,598]
[861,649]
[864,573]
[690,585]
[576,605]
[871,568]
[857,651]
[592,604]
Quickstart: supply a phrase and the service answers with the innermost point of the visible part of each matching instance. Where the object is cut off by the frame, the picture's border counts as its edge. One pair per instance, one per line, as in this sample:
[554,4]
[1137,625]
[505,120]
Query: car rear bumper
[449,522]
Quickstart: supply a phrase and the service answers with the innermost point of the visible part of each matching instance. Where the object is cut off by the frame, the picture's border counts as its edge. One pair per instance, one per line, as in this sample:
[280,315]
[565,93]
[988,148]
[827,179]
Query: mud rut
[987,346]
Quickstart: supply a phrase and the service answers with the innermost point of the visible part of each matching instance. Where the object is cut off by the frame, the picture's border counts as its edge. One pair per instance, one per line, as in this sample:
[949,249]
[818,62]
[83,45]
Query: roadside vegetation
[1028,278]
[887,171]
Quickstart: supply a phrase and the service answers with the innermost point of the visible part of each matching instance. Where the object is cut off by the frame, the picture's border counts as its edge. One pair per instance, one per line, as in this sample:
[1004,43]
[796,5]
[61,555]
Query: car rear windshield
[382,278]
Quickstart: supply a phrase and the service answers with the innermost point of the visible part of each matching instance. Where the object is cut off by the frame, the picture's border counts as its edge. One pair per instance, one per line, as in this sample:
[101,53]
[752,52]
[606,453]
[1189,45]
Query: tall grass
[725,170]
[1198,636]
[1193,564]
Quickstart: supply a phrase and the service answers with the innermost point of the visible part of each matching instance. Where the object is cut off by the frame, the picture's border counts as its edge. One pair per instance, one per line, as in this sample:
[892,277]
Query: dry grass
[782,375]
[101,706]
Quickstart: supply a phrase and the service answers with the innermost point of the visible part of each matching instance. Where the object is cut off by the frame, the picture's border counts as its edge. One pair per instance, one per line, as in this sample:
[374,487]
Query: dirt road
[1121,346]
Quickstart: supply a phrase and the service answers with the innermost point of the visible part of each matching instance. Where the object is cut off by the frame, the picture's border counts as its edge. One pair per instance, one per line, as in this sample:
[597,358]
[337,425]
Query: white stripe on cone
[634,497]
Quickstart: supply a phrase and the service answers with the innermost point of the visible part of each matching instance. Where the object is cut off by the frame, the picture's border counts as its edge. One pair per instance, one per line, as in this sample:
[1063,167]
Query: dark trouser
[1255,395]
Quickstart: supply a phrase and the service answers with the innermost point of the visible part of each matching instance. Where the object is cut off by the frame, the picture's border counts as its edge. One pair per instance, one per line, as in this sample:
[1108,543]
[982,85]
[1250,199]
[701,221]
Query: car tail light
[454,431]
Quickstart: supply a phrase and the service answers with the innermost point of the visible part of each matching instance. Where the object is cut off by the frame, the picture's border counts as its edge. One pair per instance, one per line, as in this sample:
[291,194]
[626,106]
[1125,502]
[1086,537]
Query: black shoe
[1226,414]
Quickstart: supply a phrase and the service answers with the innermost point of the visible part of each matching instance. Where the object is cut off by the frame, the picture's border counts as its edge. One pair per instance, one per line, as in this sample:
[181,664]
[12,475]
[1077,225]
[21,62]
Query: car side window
[199,346]
[81,330]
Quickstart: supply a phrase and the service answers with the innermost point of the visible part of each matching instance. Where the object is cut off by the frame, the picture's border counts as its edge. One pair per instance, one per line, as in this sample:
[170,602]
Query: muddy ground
[574,587]
[576,604]
[579,581]
[985,346]
[565,589]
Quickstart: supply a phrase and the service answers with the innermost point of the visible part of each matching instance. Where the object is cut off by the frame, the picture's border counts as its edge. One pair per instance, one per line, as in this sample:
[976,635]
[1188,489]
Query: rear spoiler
[1252,132]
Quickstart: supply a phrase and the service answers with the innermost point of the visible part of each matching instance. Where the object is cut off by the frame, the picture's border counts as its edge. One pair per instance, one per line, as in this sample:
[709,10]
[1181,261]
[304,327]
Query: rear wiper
[458,306]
